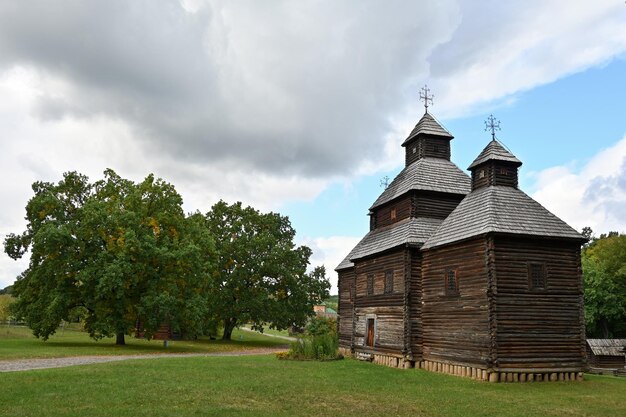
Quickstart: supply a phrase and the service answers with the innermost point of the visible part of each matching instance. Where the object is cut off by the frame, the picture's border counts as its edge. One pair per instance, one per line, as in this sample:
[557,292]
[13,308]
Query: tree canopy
[261,275]
[119,250]
[604,273]
[122,254]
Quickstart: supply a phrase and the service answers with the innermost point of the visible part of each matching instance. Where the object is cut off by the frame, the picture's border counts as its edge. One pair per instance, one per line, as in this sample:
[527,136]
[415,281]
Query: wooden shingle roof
[494,151]
[607,347]
[428,174]
[428,125]
[499,209]
[412,231]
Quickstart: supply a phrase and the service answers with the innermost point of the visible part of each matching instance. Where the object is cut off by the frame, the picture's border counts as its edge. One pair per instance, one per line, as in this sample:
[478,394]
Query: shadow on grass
[19,343]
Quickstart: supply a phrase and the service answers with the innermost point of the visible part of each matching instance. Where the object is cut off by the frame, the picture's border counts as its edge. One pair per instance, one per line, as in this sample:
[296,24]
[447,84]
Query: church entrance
[370,332]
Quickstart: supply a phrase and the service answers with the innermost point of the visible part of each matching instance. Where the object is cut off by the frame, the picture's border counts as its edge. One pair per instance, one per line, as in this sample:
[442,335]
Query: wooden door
[370,332]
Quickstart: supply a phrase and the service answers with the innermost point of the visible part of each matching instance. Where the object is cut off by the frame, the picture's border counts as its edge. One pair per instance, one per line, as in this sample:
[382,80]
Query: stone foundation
[481,374]
[475,373]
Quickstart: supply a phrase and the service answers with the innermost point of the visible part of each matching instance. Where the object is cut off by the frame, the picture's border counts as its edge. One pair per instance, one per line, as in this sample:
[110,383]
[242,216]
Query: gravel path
[29,364]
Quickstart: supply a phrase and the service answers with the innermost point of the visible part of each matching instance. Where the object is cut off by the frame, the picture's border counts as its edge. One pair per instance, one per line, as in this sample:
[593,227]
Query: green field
[19,343]
[265,386]
[262,385]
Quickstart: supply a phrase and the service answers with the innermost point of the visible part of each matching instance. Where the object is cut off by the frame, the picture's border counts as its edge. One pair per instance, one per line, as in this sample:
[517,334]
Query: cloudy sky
[301,106]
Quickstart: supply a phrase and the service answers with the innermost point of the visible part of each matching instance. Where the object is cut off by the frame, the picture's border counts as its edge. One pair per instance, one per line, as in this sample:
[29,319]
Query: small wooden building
[606,353]
[463,274]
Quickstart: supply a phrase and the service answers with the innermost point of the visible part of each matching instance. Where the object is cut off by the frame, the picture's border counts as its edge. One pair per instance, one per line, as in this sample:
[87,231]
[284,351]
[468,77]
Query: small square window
[393,214]
[504,171]
[537,276]
[388,282]
[481,174]
[370,284]
[452,282]
[414,150]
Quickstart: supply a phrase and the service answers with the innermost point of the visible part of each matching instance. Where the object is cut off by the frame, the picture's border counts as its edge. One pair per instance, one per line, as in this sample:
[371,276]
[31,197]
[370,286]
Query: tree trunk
[229,326]
[605,328]
[119,339]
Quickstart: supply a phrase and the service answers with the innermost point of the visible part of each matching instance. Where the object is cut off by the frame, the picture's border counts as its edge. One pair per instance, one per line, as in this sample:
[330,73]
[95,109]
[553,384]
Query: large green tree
[119,250]
[604,273]
[261,275]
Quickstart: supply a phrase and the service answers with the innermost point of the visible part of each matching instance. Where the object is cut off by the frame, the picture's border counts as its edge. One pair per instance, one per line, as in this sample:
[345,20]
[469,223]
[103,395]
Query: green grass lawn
[19,343]
[265,386]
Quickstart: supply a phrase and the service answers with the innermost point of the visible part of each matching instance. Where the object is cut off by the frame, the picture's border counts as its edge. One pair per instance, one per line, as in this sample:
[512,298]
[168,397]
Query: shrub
[318,326]
[5,307]
[319,341]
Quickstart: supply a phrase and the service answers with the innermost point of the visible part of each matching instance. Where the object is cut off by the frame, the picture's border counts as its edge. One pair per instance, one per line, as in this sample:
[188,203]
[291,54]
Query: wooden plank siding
[383,215]
[429,147]
[415,306]
[345,307]
[434,205]
[386,308]
[539,328]
[495,173]
[604,361]
[456,327]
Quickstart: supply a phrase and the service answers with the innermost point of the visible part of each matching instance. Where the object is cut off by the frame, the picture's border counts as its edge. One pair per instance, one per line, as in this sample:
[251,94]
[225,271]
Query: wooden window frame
[451,292]
[531,276]
[370,284]
[393,214]
[389,281]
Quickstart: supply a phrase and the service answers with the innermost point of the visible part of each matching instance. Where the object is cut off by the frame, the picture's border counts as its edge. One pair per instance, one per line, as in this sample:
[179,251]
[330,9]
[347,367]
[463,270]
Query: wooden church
[465,275]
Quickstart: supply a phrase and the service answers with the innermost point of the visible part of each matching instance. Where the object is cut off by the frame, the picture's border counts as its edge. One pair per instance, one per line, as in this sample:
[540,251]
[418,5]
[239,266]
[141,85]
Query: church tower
[379,280]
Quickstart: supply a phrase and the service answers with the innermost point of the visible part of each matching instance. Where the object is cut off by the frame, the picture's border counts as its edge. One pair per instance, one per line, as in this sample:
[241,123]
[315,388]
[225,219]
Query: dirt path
[44,363]
[291,339]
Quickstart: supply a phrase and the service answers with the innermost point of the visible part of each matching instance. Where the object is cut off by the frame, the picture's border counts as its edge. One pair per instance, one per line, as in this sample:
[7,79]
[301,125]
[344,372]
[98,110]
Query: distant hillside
[332,302]
[7,290]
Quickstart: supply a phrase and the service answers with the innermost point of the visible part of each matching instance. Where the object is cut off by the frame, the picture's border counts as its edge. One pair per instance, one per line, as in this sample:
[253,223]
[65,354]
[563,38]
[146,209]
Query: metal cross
[492,124]
[426,97]
[384,182]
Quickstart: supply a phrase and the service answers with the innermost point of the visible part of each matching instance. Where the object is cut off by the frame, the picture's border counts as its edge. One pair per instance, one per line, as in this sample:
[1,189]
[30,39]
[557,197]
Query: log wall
[415,329]
[402,207]
[434,205]
[495,173]
[456,328]
[345,284]
[539,328]
[387,309]
[427,147]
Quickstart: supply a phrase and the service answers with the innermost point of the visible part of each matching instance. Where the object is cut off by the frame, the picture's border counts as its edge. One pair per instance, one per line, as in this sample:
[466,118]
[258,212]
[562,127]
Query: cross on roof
[426,97]
[384,182]
[492,124]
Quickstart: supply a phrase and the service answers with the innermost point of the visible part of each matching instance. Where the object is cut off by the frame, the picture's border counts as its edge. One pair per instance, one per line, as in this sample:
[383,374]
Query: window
[481,174]
[436,148]
[414,150]
[388,282]
[370,284]
[537,276]
[452,282]
[504,171]
[393,214]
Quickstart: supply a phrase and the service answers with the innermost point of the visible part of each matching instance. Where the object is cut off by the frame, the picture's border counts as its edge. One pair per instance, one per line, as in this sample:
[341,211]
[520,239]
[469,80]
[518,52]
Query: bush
[318,326]
[5,305]
[319,341]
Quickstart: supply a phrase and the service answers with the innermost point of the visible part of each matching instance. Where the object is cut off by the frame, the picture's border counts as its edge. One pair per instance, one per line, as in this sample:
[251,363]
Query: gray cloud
[296,87]
[607,194]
